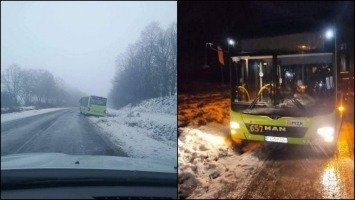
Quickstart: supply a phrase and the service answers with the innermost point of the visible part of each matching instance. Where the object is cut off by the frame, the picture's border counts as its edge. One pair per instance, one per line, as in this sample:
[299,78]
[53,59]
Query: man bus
[93,105]
[286,95]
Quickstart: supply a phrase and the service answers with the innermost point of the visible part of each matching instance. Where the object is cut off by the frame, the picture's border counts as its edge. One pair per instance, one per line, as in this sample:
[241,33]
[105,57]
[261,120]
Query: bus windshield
[298,85]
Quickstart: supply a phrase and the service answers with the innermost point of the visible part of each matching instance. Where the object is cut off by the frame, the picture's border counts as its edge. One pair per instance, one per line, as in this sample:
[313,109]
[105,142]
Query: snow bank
[27,113]
[208,167]
[146,130]
[28,108]
[166,105]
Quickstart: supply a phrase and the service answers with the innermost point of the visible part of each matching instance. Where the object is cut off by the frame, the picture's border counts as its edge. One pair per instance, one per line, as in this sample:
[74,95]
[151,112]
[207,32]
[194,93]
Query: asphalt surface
[64,131]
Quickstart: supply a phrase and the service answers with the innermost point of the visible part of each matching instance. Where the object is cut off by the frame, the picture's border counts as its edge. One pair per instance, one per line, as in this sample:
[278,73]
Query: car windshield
[92,79]
[297,84]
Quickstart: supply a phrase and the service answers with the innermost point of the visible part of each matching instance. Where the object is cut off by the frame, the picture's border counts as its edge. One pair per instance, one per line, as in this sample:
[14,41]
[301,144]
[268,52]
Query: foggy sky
[77,41]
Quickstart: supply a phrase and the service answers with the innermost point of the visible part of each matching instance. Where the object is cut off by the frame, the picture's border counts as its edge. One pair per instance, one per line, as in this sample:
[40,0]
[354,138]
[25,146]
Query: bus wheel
[239,146]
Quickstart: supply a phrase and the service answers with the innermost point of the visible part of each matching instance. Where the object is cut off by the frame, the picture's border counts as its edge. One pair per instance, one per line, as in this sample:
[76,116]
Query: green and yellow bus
[286,96]
[93,105]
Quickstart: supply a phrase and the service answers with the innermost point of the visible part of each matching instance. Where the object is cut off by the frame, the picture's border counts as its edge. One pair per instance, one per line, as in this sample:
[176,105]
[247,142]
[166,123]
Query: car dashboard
[92,192]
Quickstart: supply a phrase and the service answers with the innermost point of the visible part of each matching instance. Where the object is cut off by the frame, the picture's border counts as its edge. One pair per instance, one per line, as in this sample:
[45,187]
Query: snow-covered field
[208,165]
[27,112]
[145,130]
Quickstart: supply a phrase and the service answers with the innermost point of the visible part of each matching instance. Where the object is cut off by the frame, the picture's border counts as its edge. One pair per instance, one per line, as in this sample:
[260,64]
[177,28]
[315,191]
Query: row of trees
[35,87]
[148,68]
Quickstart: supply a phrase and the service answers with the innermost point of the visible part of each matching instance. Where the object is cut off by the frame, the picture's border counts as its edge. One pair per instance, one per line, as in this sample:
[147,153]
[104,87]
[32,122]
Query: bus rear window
[98,101]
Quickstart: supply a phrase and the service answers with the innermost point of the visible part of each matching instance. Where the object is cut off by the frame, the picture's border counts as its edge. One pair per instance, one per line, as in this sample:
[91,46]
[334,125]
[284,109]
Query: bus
[285,90]
[93,105]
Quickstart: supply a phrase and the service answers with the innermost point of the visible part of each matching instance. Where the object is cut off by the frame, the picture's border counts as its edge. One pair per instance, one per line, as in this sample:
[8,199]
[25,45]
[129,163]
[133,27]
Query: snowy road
[304,172]
[64,131]
[208,168]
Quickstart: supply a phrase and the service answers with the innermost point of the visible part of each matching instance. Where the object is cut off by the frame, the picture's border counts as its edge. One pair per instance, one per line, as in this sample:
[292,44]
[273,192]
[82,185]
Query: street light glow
[231,42]
[329,34]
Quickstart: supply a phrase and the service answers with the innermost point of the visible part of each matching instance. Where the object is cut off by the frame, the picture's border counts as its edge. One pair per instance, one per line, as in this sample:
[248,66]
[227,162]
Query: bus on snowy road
[287,96]
[93,105]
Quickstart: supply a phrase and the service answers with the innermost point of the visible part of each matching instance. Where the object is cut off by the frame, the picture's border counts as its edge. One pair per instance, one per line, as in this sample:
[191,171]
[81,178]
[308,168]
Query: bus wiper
[257,96]
[253,103]
[297,103]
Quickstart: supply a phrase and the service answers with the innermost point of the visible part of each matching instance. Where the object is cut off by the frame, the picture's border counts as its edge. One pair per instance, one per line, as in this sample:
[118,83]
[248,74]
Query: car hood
[65,161]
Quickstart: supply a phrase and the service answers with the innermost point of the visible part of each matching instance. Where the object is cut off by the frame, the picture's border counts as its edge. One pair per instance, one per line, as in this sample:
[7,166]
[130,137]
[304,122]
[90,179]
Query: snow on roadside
[28,113]
[208,167]
[145,130]
[156,105]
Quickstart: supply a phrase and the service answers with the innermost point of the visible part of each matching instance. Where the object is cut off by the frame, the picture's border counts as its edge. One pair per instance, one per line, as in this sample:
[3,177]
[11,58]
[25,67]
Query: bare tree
[27,84]
[7,102]
[172,42]
[11,82]
[165,61]
[145,70]
[35,87]
[48,86]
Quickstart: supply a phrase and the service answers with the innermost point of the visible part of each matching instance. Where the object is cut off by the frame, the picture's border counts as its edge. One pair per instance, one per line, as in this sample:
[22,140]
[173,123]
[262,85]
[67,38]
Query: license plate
[276,139]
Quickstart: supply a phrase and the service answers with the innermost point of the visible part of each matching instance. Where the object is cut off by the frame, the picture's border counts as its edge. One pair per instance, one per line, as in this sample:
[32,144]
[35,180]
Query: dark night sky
[201,22]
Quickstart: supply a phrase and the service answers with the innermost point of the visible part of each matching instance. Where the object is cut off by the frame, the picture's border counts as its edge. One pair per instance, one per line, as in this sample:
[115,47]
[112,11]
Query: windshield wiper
[253,103]
[257,96]
[296,102]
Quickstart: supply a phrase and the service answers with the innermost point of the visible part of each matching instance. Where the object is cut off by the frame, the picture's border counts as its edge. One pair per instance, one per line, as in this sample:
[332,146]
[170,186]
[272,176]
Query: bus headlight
[327,133]
[234,125]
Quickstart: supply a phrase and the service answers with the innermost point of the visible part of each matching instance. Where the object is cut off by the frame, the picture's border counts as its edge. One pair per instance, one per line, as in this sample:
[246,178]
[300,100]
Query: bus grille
[278,131]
